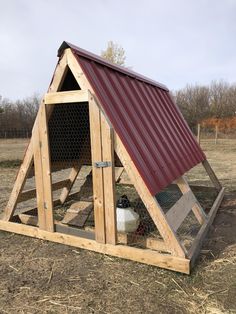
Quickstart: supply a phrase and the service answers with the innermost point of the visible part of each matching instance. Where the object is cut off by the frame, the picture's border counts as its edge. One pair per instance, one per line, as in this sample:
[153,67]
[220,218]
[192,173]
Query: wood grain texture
[43,172]
[96,152]
[109,181]
[66,97]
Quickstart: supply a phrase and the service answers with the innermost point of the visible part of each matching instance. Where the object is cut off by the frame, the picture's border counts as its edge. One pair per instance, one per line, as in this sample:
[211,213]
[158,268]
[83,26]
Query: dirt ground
[43,277]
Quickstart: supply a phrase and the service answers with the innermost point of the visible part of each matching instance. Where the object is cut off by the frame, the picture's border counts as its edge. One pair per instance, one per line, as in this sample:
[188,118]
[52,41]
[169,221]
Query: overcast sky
[175,42]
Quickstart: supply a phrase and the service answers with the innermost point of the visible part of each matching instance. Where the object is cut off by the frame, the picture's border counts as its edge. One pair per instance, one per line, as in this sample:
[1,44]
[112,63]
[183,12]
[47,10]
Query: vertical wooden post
[109,181]
[96,152]
[199,133]
[216,134]
[42,166]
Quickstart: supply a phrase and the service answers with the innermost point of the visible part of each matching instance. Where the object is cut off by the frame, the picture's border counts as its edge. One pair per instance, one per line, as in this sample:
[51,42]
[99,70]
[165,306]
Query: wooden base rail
[197,243]
[135,254]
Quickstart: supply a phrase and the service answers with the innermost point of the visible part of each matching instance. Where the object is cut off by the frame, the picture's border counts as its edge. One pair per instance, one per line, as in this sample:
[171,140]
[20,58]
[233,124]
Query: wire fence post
[199,133]
[216,134]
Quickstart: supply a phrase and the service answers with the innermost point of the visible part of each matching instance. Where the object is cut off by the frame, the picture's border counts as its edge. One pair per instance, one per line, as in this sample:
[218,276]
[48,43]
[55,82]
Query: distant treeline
[216,102]
[17,117]
[199,103]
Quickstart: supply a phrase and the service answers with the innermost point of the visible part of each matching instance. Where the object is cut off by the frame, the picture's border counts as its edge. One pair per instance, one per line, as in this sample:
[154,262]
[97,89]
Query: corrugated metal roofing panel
[148,122]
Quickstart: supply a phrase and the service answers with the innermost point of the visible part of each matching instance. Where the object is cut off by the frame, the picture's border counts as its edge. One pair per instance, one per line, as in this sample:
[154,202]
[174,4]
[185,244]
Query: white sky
[175,42]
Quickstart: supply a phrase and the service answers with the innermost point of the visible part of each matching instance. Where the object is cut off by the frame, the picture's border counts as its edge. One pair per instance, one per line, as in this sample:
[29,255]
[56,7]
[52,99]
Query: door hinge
[102,164]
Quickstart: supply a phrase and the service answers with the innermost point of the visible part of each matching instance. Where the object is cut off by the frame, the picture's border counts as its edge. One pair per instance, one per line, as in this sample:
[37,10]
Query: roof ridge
[89,55]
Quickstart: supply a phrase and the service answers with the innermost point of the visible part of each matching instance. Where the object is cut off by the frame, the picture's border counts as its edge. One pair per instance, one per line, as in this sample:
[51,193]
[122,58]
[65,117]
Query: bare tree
[114,53]
[193,102]
[18,115]
[222,99]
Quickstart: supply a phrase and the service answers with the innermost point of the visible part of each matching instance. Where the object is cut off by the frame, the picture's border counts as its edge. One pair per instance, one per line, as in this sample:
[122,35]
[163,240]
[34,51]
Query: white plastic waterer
[127,218]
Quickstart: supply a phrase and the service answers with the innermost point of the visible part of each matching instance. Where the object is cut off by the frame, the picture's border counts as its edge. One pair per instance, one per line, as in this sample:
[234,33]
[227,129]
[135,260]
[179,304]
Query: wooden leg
[197,208]
[43,172]
[19,182]
[212,175]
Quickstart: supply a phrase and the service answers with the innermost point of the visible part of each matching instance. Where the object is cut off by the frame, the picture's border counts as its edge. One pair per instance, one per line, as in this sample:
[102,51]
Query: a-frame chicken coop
[112,121]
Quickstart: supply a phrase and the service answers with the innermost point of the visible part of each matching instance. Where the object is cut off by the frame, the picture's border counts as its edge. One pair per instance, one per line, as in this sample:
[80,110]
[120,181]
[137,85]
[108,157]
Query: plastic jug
[127,218]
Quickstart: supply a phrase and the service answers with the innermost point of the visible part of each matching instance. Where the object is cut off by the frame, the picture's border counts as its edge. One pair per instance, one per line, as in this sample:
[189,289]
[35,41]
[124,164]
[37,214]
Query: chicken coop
[108,156]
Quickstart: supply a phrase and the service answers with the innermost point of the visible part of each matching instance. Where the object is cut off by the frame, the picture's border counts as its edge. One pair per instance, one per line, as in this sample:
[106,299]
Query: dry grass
[43,277]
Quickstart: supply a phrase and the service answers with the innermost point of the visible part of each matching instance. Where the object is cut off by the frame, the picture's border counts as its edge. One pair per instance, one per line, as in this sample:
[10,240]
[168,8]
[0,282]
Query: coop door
[70,155]
[103,175]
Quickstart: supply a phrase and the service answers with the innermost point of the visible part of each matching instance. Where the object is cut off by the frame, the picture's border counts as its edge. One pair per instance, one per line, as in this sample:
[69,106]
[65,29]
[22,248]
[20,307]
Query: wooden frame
[66,97]
[168,253]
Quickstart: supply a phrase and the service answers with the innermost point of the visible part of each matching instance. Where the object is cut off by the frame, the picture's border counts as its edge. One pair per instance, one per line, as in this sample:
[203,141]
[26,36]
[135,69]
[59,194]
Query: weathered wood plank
[59,227]
[29,194]
[179,211]
[78,213]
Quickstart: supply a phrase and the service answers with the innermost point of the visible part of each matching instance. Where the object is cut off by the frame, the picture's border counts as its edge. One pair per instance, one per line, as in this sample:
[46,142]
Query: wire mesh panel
[135,226]
[70,153]
[146,231]
[69,134]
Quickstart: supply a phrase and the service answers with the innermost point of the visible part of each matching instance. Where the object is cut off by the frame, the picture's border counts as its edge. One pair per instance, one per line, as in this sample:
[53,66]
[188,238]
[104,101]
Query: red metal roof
[145,117]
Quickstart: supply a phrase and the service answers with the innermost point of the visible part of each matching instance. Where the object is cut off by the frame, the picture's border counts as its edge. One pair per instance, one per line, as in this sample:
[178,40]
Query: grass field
[44,277]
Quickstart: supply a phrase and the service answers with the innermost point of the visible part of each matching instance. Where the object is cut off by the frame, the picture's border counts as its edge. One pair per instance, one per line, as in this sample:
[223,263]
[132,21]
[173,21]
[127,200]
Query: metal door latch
[102,164]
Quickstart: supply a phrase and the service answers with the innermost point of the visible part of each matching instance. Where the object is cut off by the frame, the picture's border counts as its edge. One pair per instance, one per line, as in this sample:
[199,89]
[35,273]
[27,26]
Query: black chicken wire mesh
[70,146]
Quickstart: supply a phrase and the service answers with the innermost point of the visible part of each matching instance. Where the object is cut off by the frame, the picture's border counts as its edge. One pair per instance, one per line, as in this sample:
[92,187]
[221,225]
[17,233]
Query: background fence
[14,133]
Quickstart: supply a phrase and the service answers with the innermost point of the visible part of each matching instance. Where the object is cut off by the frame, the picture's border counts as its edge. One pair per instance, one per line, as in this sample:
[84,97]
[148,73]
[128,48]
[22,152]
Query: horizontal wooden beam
[177,213]
[56,202]
[59,227]
[66,97]
[132,239]
[29,194]
[135,254]
[197,243]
